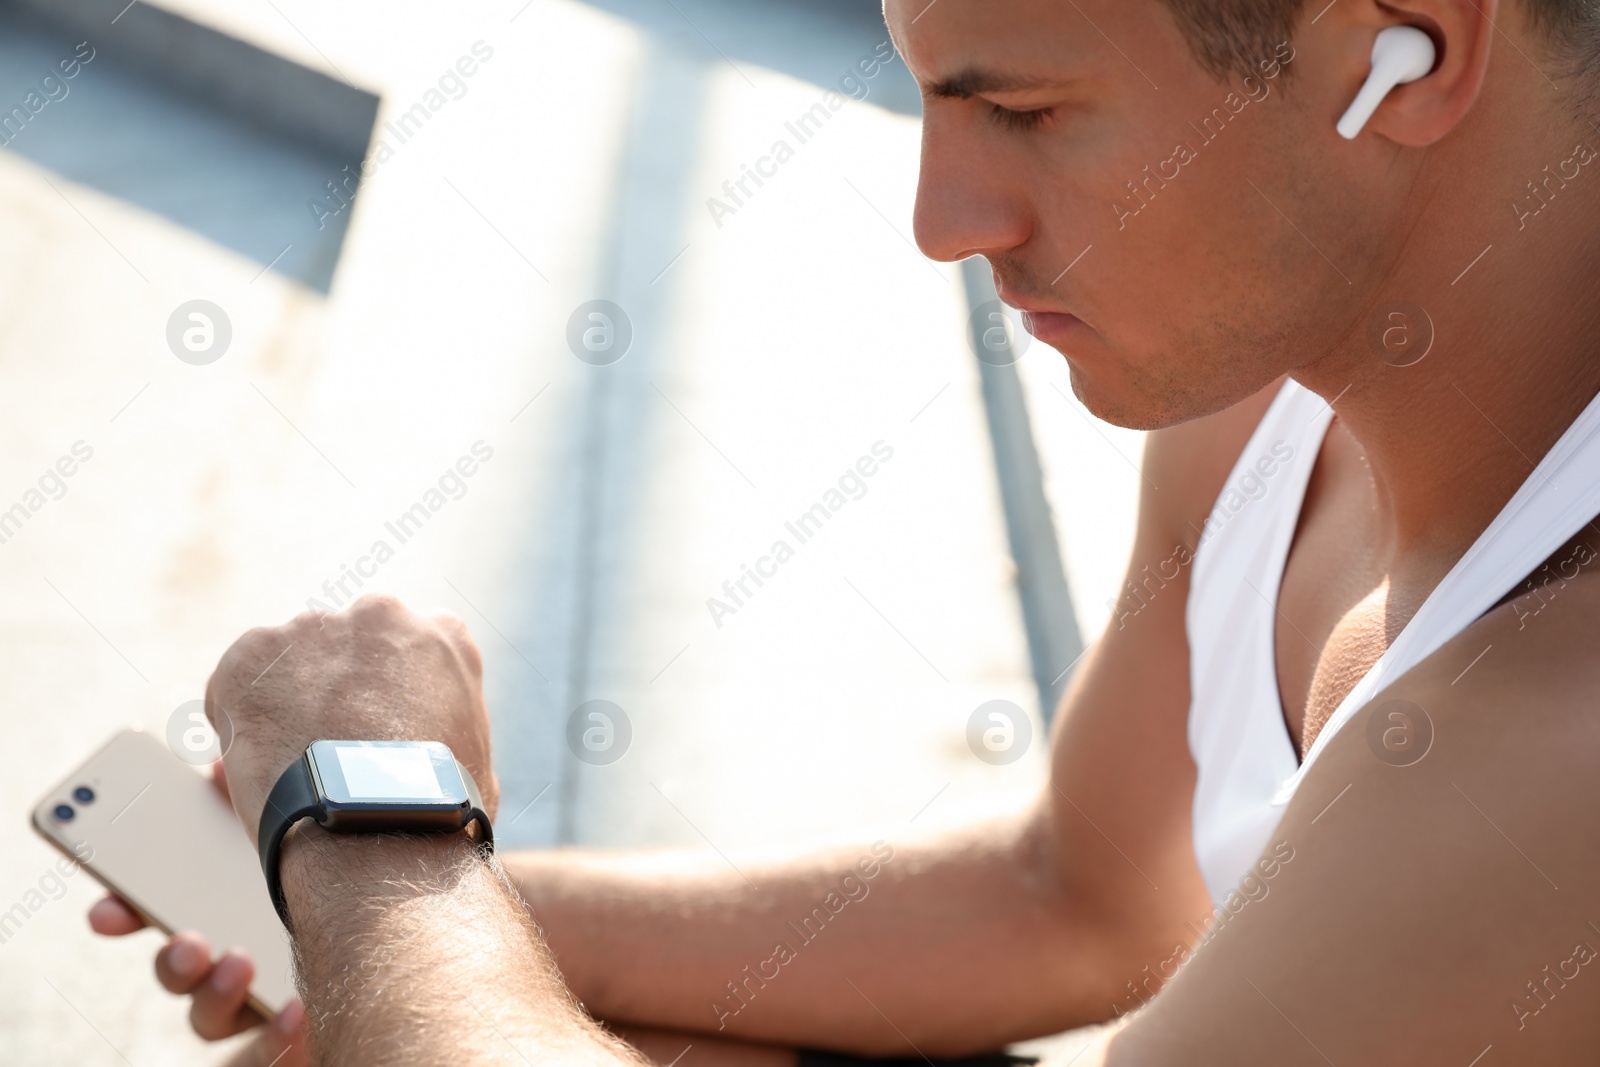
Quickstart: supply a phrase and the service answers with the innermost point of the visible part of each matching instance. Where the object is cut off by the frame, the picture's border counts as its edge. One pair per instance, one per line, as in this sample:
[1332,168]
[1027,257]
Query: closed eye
[1019,120]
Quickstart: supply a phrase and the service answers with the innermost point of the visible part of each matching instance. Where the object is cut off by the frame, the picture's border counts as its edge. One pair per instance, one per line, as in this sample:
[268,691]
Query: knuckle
[310,619]
[380,607]
[256,638]
[471,656]
[168,977]
[452,625]
[205,1020]
[459,637]
[253,650]
[215,1014]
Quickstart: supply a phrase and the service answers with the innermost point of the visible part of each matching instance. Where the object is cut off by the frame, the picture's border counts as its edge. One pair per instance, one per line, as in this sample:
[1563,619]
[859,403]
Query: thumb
[219,778]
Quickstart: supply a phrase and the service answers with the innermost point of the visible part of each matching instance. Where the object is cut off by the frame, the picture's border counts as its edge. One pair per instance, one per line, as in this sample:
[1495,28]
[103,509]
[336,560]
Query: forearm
[411,949]
[963,941]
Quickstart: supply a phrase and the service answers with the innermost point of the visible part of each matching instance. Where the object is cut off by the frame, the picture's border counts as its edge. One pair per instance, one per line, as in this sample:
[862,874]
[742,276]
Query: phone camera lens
[83,795]
[63,812]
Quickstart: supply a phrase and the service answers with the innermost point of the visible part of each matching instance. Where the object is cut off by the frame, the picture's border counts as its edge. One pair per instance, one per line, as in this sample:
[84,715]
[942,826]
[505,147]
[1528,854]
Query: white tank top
[1248,766]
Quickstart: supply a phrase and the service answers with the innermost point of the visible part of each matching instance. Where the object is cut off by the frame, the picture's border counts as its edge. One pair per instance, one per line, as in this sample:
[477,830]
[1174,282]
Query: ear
[1423,111]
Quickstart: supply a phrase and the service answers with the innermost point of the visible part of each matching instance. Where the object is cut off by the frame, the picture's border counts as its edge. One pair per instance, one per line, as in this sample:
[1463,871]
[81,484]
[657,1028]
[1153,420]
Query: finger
[112,918]
[282,1044]
[460,641]
[183,963]
[218,1008]
[219,778]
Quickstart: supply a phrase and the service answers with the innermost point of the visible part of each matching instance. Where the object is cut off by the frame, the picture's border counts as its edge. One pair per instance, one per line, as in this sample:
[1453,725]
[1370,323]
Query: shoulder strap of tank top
[1295,420]
[1556,500]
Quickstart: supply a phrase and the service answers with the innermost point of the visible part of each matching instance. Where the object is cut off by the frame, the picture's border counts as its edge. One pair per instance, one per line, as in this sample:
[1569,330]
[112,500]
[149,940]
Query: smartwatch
[369,787]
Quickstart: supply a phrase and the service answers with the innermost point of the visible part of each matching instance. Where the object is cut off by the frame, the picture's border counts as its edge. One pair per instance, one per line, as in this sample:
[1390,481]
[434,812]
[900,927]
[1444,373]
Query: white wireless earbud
[1401,54]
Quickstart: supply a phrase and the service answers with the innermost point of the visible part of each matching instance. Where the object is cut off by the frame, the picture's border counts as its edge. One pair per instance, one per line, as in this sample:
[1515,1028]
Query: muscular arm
[1025,926]
[655,940]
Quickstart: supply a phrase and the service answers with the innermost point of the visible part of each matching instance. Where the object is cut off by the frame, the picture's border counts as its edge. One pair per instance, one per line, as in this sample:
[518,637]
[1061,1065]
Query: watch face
[391,777]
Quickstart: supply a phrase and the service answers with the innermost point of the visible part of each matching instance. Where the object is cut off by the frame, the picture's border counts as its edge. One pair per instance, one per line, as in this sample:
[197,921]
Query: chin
[1155,394]
[1117,400]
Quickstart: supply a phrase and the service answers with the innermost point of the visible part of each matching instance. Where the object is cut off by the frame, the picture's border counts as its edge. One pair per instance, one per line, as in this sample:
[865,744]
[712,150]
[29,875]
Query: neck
[1514,359]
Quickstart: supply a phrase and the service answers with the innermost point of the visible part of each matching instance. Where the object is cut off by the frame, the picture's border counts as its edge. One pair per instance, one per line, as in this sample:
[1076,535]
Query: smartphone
[156,831]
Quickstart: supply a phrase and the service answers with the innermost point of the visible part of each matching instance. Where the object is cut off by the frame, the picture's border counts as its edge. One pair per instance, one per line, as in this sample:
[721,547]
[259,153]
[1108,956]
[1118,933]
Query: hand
[373,672]
[219,989]
[218,1007]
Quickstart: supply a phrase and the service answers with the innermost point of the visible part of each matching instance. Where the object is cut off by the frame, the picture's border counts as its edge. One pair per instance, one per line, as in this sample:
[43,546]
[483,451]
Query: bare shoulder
[1430,891]
[1525,671]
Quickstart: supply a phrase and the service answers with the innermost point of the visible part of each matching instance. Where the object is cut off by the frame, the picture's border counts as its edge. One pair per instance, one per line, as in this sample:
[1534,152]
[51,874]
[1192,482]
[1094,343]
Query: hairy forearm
[964,941]
[412,949]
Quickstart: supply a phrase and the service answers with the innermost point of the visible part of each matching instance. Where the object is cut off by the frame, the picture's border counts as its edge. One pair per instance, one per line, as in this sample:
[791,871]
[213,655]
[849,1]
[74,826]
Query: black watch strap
[292,799]
[477,814]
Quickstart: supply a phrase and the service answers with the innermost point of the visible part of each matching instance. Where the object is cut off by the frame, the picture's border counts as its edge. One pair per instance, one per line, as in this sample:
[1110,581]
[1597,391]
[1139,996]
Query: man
[1160,186]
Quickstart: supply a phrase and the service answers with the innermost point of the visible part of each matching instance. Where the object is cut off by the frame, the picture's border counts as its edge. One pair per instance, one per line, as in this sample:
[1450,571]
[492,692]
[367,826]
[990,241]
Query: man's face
[1181,242]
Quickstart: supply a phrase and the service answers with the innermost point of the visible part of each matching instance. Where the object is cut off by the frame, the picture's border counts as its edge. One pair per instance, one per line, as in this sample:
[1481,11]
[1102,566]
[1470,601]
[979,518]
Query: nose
[967,200]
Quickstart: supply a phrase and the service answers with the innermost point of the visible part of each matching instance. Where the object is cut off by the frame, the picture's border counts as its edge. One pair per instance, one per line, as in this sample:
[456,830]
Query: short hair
[1231,37]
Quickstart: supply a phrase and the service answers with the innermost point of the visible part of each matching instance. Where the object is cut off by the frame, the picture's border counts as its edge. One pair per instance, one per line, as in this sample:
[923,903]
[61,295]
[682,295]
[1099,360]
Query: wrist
[370,788]
[351,881]
[386,919]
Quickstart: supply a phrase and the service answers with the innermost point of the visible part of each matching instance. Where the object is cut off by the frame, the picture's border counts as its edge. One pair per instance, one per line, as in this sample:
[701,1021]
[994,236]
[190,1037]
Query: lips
[1051,327]
[1027,307]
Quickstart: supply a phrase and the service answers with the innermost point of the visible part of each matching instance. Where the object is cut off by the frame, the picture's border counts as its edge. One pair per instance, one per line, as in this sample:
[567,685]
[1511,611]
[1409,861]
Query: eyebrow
[973,81]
